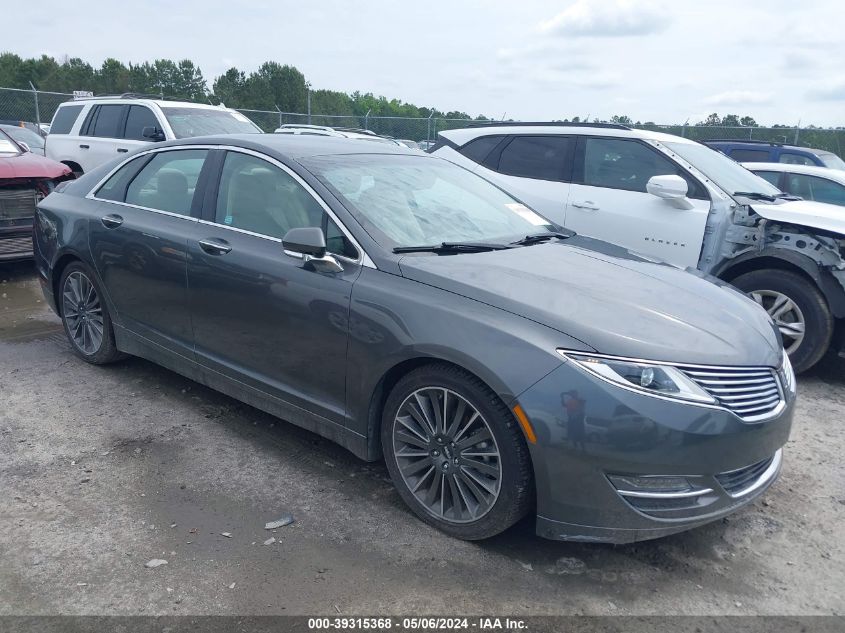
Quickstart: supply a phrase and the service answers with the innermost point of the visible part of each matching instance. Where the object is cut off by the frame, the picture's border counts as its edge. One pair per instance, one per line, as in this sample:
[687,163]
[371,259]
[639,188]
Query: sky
[780,61]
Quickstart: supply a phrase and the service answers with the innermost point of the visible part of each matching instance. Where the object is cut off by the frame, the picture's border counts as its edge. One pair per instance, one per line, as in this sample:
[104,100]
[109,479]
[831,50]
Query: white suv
[86,133]
[675,199]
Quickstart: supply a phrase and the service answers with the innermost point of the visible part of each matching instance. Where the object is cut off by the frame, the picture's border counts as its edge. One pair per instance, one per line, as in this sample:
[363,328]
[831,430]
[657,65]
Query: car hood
[612,300]
[29,165]
[817,215]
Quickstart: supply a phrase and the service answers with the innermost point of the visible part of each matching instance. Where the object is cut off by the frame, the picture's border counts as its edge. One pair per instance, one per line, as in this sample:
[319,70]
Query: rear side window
[139,117]
[115,187]
[749,155]
[789,158]
[814,188]
[64,119]
[168,181]
[105,121]
[478,149]
[538,157]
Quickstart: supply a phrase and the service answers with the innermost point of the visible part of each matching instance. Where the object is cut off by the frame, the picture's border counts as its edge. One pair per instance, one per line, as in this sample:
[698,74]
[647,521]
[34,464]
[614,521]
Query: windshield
[414,200]
[188,122]
[832,160]
[729,175]
[23,135]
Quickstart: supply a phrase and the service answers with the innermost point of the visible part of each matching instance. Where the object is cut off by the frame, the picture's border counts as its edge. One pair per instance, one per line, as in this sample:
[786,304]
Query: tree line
[272,86]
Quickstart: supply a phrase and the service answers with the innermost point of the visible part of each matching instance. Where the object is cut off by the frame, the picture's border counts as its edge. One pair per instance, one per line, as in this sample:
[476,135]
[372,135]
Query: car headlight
[655,379]
[787,374]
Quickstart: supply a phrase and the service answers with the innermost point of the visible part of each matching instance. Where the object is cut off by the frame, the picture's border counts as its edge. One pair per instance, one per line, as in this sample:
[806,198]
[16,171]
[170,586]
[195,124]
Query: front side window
[771,176]
[138,118]
[190,122]
[168,181]
[538,157]
[624,164]
[64,119]
[257,196]
[789,158]
[404,200]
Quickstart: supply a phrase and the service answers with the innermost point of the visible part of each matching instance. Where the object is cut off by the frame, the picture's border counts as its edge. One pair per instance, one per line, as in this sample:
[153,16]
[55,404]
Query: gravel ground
[107,468]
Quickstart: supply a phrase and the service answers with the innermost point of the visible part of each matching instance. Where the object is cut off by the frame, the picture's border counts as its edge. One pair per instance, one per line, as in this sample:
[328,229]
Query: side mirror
[305,241]
[24,146]
[153,133]
[668,187]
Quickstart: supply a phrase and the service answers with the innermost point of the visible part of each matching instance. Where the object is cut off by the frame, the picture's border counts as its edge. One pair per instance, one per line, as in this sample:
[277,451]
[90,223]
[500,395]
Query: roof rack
[129,95]
[612,126]
[359,130]
[742,140]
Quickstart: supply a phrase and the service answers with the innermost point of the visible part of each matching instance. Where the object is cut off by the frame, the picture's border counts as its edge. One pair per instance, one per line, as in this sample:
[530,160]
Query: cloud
[834,91]
[547,54]
[739,98]
[608,18]
[799,61]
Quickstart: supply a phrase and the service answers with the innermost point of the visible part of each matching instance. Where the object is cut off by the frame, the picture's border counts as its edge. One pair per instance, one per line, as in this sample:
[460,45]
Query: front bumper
[623,433]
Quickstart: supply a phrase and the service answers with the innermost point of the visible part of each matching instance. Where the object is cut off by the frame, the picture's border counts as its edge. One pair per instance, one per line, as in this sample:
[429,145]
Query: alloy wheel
[447,455]
[82,312]
[786,314]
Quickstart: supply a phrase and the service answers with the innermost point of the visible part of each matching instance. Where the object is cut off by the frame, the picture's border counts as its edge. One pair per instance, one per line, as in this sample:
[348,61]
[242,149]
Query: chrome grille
[751,392]
[16,205]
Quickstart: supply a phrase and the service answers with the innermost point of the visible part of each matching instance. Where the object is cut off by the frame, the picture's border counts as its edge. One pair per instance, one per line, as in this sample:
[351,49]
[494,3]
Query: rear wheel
[455,453]
[798,309]
[85,316]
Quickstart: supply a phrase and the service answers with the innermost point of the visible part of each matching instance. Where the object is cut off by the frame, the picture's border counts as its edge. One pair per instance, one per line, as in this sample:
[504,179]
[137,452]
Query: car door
[261,316]
[608,200]
[147,212]
[100,135]
[138,118]
[535,169]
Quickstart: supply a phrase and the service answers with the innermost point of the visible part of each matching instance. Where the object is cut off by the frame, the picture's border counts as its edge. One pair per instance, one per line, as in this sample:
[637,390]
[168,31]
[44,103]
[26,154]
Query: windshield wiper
[453,247]
[536,238]
[754,195]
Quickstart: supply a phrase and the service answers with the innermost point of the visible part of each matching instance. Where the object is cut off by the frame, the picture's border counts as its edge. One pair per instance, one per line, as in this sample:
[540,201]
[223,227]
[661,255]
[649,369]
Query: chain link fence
[35,107]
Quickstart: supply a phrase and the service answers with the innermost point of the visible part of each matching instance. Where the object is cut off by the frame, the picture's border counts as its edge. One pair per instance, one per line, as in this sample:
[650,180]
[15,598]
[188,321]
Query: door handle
[215,246]
[122,150]
[84,146]
[111,221]
[587,205]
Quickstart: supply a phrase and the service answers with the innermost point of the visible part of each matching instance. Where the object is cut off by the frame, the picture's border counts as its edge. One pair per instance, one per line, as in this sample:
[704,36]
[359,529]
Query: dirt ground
[106,468]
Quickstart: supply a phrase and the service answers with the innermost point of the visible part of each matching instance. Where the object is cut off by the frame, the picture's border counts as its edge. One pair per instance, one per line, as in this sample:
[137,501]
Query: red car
[25,179]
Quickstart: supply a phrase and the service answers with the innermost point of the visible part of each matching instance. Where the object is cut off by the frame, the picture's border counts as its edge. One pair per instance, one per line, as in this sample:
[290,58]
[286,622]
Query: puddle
[24,314]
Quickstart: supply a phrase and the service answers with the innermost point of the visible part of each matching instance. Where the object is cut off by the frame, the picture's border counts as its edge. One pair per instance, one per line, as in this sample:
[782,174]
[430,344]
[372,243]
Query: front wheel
[455,453]
[798,309]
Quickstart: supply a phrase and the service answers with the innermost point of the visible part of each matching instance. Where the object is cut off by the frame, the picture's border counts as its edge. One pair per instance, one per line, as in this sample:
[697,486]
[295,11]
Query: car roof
[810,170]
[465,135]
[295,146]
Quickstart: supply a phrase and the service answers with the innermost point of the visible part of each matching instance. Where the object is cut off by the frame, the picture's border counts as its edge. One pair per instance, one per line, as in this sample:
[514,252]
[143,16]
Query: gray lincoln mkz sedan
[408,309]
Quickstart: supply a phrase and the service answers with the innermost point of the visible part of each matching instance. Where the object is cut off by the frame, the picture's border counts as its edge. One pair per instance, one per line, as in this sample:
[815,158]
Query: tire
[500,487]
[84,313]
[808,305]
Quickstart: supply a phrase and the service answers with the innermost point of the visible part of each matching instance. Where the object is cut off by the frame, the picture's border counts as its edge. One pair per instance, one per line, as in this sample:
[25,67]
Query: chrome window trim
[747,420]
[363,258]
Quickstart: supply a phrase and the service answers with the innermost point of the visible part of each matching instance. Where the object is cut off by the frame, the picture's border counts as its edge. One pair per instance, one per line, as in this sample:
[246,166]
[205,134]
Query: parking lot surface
[107,468]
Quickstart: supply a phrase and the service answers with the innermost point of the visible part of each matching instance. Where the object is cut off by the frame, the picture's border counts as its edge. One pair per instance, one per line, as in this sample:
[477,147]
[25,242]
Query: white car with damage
[677,200]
